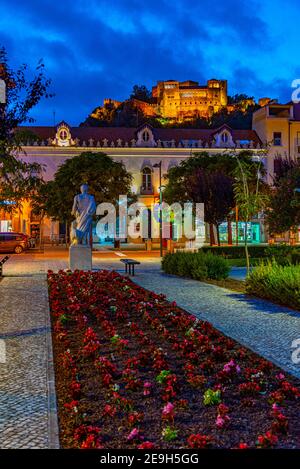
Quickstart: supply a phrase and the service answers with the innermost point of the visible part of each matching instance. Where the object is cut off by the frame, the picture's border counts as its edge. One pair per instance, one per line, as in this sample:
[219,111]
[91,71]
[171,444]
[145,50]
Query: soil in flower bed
[135,371]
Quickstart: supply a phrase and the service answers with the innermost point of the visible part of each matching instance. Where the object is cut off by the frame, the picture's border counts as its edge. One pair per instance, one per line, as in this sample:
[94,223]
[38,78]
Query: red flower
[135,417]
[72,406]
[75,389]
[92,442]
[109,410]
[197,441]
[267,440]
[249,389]
[243,446]
[146,445]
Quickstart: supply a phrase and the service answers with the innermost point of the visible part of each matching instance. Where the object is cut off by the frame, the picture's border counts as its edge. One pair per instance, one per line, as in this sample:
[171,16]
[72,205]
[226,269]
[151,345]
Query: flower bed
[135,371]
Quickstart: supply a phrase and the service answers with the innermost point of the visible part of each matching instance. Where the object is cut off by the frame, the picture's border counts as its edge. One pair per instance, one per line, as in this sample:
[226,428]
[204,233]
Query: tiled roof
[126,134]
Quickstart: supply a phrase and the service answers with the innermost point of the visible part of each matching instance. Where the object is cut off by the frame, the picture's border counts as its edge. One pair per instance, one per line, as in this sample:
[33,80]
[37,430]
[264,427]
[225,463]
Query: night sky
[94,49]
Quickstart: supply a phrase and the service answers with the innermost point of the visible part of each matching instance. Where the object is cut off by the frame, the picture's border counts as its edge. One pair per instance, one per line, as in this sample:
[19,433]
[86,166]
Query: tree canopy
[283,213]
[141,92]
[17,178]
[209,179]
[107,179]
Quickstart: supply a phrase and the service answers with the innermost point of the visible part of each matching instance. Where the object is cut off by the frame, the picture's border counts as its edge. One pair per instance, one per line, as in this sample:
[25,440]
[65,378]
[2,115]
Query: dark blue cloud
[101,48]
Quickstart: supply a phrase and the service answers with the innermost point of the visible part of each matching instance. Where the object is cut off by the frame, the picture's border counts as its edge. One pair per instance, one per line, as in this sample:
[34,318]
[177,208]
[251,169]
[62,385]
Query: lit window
[277,138]
[146,136]
[63,135]
[224,137]
[147,179]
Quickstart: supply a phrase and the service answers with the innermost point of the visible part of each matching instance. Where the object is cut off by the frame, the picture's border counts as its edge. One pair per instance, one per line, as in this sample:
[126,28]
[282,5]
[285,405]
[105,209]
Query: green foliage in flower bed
[198,265]
[279,283]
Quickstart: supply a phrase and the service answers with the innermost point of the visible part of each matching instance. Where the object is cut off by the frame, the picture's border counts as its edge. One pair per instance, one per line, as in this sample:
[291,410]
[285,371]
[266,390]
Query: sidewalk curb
[53,432]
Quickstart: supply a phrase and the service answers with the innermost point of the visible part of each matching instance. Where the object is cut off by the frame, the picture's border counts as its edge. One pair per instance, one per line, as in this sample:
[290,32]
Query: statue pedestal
[80,257]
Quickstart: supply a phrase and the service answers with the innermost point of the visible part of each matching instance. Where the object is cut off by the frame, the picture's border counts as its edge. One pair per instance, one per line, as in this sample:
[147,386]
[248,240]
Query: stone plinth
[80,257]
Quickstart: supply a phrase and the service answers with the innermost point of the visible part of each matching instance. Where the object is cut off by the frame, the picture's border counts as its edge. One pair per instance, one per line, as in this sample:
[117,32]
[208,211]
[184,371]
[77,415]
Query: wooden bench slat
[130,263]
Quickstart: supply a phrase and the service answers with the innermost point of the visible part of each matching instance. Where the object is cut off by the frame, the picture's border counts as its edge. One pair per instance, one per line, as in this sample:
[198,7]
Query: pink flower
[134,434]
[231,366]
[147,388]
[220,422]
[168,411]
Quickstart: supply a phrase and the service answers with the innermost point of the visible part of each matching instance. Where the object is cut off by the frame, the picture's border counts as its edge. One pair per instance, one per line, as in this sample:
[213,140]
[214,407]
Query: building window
[147,179]
[146,136]
[63,135]
[224,137]
[277,138]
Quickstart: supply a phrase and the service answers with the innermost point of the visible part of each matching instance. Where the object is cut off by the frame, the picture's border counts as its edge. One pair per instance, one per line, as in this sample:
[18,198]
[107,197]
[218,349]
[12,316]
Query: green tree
[141,92]
[18,180]
[107,179]
[208,179]
[283,213]
[251,194]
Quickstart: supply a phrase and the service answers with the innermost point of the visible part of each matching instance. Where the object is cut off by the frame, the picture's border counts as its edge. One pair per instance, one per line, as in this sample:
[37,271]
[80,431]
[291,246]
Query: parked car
[13,242]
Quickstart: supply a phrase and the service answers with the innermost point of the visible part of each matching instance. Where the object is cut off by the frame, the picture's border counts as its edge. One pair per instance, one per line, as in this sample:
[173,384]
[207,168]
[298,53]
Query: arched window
[147,179]
[146,136]
[224,137]
[63,134]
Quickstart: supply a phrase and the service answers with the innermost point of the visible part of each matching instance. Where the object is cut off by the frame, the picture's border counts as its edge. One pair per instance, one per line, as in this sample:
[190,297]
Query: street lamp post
[158,165]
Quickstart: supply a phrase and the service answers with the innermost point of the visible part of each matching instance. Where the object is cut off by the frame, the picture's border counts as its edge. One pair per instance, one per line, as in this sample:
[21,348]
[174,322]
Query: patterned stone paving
[27,409]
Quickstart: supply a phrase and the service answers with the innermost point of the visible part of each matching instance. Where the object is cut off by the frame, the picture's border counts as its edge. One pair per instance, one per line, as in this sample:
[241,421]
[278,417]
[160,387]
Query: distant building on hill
[187,99]
[180,100]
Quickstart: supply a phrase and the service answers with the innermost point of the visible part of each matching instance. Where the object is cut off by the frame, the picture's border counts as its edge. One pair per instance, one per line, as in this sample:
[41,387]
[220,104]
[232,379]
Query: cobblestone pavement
[27,400]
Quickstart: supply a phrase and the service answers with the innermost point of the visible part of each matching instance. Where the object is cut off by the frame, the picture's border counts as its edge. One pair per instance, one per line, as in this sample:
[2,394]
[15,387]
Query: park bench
[129,265]
[5,259]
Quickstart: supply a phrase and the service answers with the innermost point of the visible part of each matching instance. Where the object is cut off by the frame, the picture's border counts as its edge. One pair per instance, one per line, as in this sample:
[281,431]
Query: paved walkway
[27,398]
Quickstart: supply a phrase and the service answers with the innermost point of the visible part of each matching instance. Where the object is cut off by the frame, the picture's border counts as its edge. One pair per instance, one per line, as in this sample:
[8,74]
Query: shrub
[217,267]
[198,265]
[238,252]
[279,283]
[295,257]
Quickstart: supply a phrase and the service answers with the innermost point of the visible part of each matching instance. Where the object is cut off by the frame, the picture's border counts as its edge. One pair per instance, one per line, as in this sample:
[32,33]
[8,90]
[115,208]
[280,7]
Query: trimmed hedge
[279,283]
[196,265]
[238,252]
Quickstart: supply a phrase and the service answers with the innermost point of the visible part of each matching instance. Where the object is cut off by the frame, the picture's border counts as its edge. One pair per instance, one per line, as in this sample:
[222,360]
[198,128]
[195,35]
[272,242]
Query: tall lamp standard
[158,165]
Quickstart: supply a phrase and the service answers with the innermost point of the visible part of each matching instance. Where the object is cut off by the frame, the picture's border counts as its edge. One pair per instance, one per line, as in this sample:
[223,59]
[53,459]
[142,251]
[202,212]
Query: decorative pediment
[145,137]
[223,137]
[63,137]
